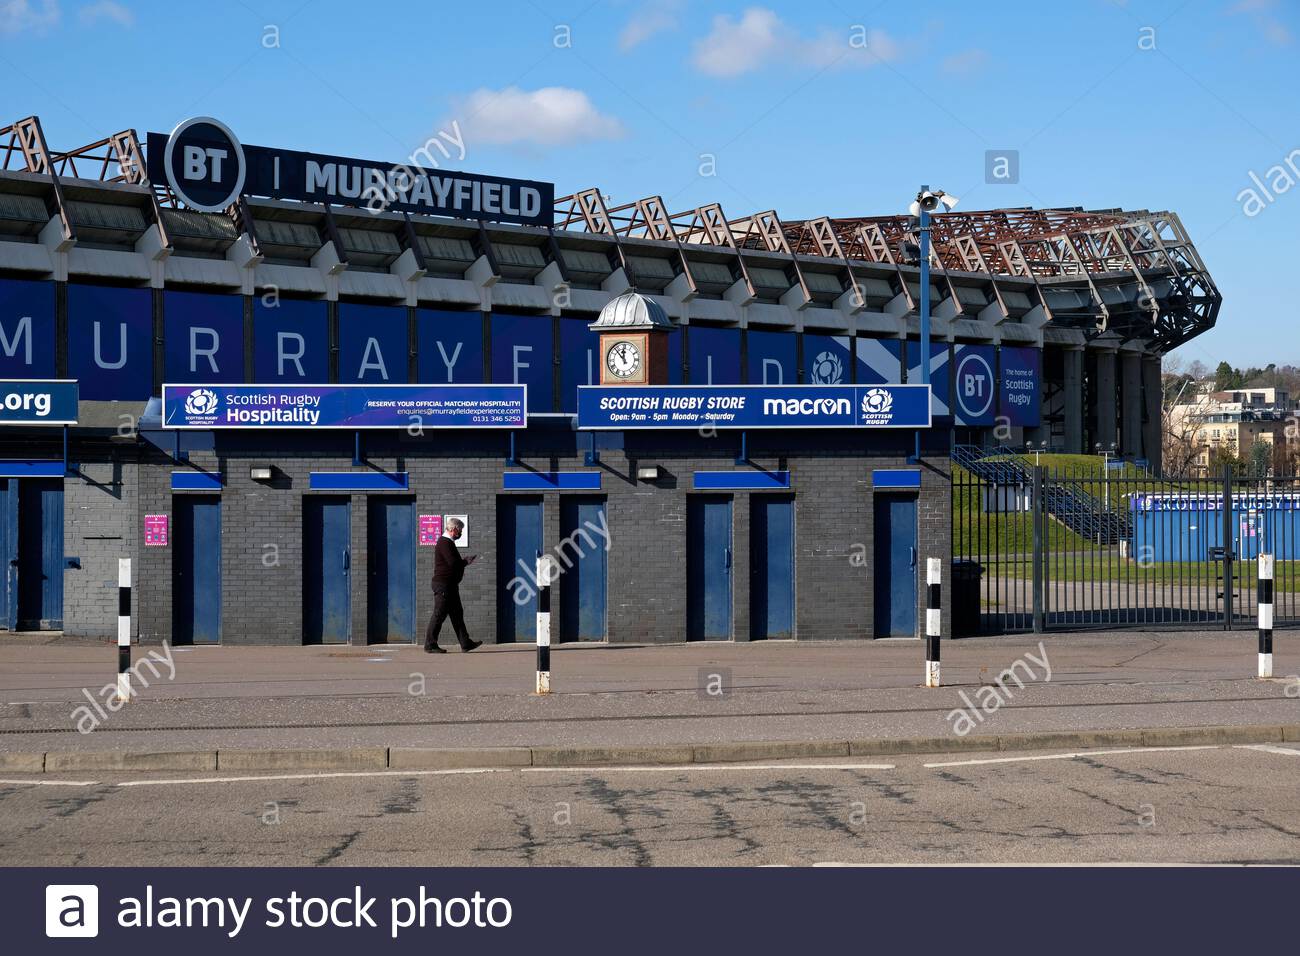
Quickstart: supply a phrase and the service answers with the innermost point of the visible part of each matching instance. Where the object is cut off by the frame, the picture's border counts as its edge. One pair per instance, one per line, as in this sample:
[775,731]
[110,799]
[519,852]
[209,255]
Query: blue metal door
[196,569]
[390,564]
[327,569]
[771,567]
[9,548]
[894,553]
[708,568]
[40,555]
[519,542]
[584,582]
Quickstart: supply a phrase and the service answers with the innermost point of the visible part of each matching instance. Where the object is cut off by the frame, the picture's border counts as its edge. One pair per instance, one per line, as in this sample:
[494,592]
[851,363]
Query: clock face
[623,359]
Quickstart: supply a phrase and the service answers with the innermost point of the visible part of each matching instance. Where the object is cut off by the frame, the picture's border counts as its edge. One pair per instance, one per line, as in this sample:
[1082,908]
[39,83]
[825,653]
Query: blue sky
[825,107]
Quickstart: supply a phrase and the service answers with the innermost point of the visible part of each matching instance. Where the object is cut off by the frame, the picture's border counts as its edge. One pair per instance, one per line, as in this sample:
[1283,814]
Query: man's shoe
[434,649]
[471,645]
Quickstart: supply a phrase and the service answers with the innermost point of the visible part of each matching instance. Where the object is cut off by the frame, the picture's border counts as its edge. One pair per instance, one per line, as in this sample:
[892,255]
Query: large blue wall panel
[450,346]
[373,343]
[715,355]
[291,341]
[110,342]
[26,329]
[203,337]
[522,355]
[772,358]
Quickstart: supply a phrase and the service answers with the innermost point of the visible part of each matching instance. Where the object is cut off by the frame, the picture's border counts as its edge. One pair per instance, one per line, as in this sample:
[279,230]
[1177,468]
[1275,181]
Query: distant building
[1233,422]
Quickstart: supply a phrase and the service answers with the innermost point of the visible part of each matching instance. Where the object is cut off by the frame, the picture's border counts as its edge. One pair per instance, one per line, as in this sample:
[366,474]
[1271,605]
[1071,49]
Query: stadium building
[263,286]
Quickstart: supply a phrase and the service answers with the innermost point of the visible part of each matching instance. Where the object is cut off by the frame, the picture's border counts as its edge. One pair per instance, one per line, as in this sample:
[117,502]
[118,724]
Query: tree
[1180,422]
[1259,462]
[1221,455]
[1226,378]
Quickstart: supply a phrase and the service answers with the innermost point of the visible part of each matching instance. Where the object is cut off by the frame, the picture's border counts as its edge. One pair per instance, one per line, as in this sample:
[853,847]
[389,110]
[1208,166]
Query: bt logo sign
[974,387]
[205,164]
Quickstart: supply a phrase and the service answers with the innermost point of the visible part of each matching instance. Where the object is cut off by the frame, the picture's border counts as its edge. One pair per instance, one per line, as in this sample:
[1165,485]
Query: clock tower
[633,341]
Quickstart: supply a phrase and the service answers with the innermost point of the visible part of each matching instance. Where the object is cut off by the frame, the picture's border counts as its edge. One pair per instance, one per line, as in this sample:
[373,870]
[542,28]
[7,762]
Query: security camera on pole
[926,202]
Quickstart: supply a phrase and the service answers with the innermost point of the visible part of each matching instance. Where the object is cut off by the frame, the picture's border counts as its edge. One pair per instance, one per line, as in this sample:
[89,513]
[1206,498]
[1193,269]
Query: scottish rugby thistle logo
[877,401]
[827,369]
[201,401]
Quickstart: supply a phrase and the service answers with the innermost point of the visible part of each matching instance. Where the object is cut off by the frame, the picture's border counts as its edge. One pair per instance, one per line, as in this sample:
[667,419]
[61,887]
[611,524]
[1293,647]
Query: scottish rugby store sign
[38,403]
[754,406]
[208,169]
[344,406]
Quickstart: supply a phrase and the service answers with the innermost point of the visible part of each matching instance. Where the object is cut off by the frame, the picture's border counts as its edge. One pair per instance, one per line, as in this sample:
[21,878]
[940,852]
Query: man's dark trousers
[446,604]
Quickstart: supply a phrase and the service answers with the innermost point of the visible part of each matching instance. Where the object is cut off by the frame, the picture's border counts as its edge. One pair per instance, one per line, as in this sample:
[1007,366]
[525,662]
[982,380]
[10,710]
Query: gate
[1066,549]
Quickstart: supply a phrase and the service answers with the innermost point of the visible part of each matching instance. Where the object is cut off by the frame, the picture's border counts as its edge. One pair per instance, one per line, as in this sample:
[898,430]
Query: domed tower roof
[632,311]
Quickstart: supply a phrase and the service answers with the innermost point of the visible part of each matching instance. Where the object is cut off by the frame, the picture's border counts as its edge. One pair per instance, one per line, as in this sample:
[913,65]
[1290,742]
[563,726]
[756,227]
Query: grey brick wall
[100,518]
[647,588]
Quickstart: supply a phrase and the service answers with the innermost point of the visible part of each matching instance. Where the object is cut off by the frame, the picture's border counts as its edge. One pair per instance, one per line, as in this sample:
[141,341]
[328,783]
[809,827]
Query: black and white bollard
[933,577]
[123,629]
[1266,615]
[544,570]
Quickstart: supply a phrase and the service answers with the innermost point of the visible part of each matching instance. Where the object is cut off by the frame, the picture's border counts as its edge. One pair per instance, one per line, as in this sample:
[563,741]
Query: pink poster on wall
[155,531]
[430,529]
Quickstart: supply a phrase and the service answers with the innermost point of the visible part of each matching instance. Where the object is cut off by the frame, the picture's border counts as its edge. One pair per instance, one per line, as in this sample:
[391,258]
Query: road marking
[1072,864]
[669,768]
[315,776]
[1270,749]
[1069,756]
[54,783]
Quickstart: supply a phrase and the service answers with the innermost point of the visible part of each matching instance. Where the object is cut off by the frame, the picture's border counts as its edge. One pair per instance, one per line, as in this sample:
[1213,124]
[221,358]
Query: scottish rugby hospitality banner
[753,406]
[344,406]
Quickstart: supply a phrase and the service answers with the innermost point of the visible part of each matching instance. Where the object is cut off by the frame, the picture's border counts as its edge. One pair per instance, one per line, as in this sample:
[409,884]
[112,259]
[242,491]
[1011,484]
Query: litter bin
[965,579]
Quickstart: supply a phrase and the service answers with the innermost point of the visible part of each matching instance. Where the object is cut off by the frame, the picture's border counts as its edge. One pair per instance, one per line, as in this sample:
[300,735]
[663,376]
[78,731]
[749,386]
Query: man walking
[448,568]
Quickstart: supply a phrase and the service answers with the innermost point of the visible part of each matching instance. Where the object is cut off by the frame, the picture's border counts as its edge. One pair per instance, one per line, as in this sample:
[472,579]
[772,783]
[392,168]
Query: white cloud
[19,15]
[1261,12]
[653,16]
[759,38]
[968,61]
[738,46]
[551,116]
[107,10]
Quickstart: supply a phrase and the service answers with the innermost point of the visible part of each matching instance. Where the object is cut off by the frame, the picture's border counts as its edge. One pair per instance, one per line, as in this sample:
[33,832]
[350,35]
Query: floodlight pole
[925,305]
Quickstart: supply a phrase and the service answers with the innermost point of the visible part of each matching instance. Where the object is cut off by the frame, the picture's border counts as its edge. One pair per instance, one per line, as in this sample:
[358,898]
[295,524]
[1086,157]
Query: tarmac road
[1203,805]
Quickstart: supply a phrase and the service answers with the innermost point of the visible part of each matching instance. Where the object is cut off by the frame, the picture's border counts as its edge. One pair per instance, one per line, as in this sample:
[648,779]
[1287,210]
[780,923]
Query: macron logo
[807,406]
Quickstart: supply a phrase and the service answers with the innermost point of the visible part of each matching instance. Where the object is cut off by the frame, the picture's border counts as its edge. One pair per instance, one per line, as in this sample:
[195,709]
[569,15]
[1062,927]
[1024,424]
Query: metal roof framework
[1176,297]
